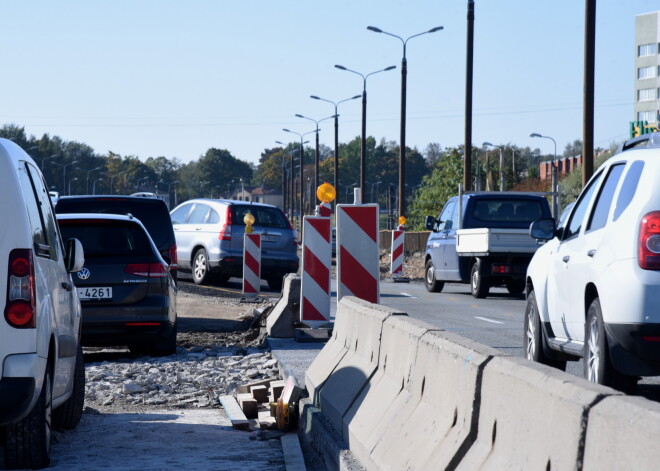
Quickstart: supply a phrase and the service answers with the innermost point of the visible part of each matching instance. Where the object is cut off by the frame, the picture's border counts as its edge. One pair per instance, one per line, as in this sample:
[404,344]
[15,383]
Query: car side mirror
[543,229]
[74,258]
[430,223]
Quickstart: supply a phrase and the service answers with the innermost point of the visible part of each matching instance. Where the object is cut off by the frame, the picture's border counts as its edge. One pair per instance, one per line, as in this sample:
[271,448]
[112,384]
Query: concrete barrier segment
[623,432]
[531,416]
[280,319]
[377,403]
[432,418]
[358,365]
[329,357]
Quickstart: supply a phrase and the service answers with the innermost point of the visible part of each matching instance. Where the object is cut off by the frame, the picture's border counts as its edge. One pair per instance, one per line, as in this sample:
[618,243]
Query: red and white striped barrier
[396,259]
[358,267]
[323,210]
[316,262]
[251,265]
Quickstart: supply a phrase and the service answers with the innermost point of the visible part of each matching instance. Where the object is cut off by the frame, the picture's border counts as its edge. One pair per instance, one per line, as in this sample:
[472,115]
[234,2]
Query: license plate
[86,294]
[269,238]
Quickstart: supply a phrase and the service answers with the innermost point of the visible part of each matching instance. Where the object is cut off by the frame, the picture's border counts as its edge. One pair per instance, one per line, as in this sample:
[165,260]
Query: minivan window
[263,216]
[46,208]
[604,202]
[628,188]
[36,222]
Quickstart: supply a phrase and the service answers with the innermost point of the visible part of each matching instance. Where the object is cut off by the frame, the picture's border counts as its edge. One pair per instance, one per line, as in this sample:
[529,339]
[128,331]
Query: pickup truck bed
[483,241]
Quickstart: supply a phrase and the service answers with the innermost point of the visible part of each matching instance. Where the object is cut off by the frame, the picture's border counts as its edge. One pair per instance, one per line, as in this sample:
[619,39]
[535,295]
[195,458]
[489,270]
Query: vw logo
[84,273]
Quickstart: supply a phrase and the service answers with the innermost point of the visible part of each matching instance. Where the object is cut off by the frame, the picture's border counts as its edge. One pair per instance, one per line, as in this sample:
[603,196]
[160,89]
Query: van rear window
[507,210]
[263,216]
[104,239]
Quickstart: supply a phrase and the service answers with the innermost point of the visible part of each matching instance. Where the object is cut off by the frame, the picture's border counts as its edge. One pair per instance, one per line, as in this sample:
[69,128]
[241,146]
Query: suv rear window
[507,210]
[151,212]
[107,238]
[263,216]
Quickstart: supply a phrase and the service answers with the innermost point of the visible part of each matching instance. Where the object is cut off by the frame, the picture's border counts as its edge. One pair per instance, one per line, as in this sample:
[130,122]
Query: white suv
[41,364]
[593,290]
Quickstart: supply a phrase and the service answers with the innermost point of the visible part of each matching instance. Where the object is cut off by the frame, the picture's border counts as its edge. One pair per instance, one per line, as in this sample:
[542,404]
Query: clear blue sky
[174,78]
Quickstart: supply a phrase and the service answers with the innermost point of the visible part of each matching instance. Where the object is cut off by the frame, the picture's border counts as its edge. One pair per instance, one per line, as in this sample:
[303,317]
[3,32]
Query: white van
[42,373]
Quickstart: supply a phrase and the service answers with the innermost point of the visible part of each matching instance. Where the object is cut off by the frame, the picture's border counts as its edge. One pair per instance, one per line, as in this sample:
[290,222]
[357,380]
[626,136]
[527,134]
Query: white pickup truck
[483,239]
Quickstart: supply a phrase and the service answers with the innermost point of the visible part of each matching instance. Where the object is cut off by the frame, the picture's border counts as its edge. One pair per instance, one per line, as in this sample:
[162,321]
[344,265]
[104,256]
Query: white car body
[26,352]
[601,261]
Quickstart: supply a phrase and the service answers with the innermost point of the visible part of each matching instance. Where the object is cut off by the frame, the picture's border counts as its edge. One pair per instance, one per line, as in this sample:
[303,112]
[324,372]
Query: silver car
[209,238]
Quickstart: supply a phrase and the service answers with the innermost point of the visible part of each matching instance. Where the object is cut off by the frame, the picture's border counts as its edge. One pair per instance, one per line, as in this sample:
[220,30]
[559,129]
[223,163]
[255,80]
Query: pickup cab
[482,238]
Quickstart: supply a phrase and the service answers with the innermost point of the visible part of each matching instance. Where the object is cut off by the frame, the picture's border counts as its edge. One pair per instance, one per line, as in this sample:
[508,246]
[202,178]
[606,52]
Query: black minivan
[152,212]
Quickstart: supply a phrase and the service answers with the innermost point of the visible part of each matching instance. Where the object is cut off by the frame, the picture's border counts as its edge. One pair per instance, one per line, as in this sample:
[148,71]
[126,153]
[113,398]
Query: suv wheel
[200,269]
[67,416]
[597,364]
[28,441]
[168,346]
[479,284]
[534,338]
[432,285]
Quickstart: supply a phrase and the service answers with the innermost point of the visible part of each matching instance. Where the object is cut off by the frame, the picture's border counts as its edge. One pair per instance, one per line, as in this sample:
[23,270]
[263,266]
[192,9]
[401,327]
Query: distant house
[564,167]
[258,195]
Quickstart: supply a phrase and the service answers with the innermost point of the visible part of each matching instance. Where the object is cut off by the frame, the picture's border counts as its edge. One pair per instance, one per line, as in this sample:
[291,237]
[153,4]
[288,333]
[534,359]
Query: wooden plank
[234,413]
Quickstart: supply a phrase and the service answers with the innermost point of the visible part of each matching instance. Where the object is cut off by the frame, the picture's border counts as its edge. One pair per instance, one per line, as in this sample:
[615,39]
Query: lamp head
[340,67]
[314,97]
[486,144]
[390,67]
[437,28]
[285,130]
[374,29]
[356,96]
[535,134]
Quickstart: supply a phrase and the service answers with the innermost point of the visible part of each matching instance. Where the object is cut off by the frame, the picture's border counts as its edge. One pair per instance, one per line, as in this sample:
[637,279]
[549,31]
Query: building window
[647,94]
[647,50]
[645,72]
[649,116]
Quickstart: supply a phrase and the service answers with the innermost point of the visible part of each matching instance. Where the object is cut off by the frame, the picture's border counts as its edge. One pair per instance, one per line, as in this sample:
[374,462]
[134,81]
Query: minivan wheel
[432,285]
[534,338]
[200,269]
[479,284]
[598,367]
[28,441]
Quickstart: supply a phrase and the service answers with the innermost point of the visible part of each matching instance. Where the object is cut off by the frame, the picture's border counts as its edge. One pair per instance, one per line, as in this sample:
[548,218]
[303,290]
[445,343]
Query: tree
[432,153]
[573,149]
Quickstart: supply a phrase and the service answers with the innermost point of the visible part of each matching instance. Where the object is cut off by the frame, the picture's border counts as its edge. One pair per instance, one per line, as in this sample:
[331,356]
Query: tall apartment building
[647,68]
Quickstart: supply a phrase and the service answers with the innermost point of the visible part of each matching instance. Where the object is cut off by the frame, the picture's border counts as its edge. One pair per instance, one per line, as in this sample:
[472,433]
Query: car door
[559,283]
[183,234]
[441,239]
[56,281]
[583,252]
[449,254]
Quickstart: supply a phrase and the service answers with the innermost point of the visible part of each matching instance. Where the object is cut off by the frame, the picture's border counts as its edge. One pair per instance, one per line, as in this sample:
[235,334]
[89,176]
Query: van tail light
[147,270]
[20,306]
[225,231]
[501,269]
[649,242]
[171,252]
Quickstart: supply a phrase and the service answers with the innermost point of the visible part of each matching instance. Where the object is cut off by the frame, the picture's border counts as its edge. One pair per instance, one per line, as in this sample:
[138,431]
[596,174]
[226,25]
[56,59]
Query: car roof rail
[647,141]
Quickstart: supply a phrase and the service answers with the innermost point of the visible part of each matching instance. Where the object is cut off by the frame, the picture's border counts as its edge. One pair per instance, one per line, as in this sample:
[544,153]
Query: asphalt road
[496,321]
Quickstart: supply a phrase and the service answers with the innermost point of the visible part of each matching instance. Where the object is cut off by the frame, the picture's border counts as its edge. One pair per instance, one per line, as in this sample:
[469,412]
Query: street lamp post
[301,159]
[402,144]
[112,179]
[488,144]
[64,173]
[363,149]
[43,162]
[72,180]
[555,188]
[94,184]
[88,172]
[317,156]
[336,104]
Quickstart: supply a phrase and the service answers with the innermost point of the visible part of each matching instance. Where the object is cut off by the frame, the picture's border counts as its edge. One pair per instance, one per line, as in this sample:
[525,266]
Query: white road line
[408,295]
[488,320]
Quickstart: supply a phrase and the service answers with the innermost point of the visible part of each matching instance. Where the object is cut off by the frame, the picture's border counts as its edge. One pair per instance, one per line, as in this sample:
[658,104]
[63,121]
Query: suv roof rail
[647,140]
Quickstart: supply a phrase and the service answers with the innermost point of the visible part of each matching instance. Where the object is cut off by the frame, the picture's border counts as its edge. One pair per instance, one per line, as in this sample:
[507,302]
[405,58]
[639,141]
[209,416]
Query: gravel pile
[193,378]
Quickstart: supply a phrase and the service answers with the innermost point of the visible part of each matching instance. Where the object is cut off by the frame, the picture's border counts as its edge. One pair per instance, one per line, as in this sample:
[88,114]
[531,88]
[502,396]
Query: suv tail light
[225,230]
[649,242]
[147,270]
[20,305]
[171,252]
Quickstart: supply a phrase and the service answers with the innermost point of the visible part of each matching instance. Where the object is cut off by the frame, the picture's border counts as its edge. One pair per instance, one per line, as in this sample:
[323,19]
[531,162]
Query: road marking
[453,299]
[408,295]
[488,320]
[474,305]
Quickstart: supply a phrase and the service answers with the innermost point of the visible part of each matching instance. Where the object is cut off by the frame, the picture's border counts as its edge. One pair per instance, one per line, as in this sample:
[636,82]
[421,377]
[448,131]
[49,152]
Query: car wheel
[200,269]
[432,285]
[597,364]
[28,442]
[67,416]
[534,338]
[479,284]
[275,283]
[167,346]
[515,287]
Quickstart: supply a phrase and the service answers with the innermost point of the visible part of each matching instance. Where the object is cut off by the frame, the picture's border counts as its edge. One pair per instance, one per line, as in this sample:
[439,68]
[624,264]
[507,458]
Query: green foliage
[436,188]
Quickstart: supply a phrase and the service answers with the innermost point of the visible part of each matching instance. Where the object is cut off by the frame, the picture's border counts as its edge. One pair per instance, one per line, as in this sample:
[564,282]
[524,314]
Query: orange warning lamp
[326,192]
[402,220]
[248,220]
